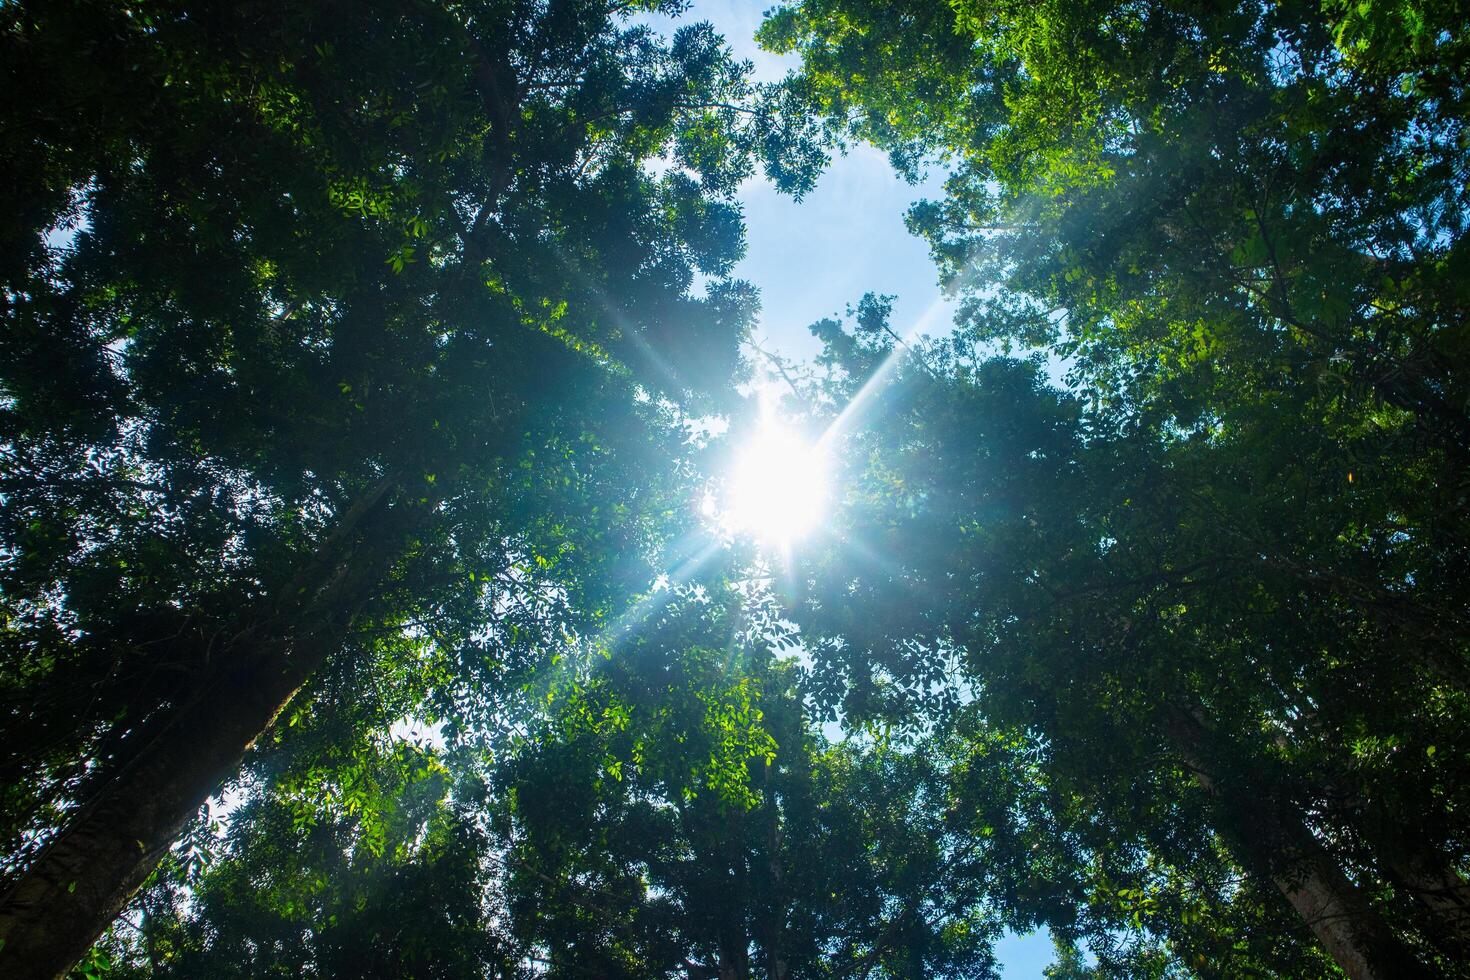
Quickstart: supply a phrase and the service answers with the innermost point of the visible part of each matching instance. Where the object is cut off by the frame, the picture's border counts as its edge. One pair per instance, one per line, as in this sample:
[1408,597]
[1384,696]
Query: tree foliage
[1222,580]
[677,814]
[324,325]
[357,368]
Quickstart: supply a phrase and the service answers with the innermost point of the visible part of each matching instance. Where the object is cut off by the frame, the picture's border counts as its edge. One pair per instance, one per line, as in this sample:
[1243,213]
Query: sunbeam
[852,411]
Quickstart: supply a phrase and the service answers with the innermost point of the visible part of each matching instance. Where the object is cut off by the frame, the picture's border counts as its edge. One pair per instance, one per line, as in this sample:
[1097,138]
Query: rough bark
[734,953]
[82,880]
[1416,867]
[773,916]
[1270,836]
[733,941]
[1440,891]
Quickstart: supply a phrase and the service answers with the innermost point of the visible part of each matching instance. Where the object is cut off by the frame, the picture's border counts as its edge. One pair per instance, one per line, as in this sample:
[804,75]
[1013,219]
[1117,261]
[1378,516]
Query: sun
[777,486]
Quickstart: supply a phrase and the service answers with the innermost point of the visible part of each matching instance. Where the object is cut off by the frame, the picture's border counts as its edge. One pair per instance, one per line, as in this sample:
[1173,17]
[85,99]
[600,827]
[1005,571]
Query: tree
[661,806]
[373,867]
[978,544]
[1237,229]
[676,814]
[332,332]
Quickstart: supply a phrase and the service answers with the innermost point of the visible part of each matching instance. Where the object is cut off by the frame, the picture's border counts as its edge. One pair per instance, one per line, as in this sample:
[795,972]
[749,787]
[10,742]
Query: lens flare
[778,487]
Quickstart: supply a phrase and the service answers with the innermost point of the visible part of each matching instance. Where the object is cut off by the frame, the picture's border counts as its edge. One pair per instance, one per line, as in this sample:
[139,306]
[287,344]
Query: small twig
[780,366]
[912,351]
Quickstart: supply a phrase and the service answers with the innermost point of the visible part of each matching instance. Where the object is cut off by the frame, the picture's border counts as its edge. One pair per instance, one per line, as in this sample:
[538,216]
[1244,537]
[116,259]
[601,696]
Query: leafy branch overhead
[377,382]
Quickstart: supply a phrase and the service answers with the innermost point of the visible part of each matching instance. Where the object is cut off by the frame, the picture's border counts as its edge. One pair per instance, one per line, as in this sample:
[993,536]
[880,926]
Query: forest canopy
[413,563]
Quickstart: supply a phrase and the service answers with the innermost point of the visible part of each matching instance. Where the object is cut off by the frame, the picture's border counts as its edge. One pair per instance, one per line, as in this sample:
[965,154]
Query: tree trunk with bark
[773,915]
[1417,868]
[1270,836]
[84,877]
[1439,891]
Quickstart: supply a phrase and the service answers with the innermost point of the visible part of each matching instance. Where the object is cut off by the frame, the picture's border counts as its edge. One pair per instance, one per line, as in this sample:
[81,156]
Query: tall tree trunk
[733,940]
[82,880]
[773,915]
[1439,890]
[1270,836]
[734,959]
[1416,866]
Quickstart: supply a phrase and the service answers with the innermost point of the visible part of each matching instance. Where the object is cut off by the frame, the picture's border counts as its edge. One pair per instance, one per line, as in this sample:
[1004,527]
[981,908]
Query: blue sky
[846,238]
[813,258]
